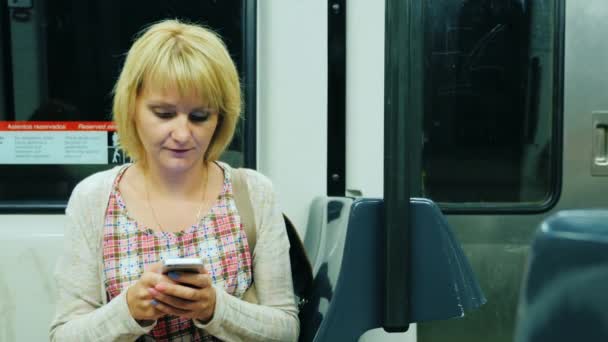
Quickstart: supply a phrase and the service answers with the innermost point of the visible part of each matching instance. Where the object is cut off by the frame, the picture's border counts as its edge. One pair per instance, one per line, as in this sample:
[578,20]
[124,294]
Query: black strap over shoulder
[301,270]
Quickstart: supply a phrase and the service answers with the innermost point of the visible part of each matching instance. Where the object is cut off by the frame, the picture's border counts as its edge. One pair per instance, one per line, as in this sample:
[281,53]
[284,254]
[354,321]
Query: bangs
[182,68]
[188,59]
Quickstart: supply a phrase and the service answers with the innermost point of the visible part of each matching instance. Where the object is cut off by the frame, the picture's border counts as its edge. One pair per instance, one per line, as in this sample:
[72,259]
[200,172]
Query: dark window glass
[59,60]
[489,102]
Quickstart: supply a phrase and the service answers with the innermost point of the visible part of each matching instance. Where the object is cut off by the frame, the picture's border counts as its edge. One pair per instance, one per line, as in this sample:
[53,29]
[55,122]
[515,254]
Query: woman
[176,105]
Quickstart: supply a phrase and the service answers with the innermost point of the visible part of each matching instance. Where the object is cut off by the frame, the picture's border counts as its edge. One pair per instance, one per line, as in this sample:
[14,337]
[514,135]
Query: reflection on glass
[489,88]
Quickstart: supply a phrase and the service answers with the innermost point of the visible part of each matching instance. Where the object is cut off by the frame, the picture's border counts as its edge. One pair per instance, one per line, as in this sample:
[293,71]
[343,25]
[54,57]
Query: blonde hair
[193,59]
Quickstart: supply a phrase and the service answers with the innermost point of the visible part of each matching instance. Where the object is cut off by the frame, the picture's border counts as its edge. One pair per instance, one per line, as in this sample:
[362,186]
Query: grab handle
[599,160]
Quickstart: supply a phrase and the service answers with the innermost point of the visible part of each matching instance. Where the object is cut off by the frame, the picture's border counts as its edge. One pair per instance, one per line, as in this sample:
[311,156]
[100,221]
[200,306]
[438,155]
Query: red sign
[15,126]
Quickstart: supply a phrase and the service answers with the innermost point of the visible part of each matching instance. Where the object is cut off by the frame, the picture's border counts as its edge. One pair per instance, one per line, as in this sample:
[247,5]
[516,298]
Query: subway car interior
[444,162]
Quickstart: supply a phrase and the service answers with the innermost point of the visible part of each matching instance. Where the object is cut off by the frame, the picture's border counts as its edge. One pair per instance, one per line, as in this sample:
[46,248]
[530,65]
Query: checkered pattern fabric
[219,239]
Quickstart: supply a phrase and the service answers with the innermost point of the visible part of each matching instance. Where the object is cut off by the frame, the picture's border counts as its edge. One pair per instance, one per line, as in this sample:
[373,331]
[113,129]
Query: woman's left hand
[193,296]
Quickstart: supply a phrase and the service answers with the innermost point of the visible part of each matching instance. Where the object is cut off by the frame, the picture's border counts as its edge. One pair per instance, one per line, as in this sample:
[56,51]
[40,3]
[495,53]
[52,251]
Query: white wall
[365,97]
[292,101]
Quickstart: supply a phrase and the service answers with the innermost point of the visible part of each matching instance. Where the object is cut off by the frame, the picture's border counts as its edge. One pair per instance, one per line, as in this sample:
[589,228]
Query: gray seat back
[564,295]
[343,308]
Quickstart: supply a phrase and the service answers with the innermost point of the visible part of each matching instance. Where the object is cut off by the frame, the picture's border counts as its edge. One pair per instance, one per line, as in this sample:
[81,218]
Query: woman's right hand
[139,298]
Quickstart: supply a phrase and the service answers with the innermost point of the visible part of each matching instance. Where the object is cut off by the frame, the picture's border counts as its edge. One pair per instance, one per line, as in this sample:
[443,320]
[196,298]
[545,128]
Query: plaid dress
[219,239]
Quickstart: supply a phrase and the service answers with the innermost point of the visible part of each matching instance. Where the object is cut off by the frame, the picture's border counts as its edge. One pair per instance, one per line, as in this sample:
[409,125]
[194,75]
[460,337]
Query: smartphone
[192,265]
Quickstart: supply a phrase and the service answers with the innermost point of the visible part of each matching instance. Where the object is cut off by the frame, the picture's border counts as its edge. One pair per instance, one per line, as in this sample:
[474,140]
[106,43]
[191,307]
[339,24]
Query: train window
[58,63]
[491,103]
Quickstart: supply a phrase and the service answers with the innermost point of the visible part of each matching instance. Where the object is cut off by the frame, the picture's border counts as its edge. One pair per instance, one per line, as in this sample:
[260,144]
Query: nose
[181,132]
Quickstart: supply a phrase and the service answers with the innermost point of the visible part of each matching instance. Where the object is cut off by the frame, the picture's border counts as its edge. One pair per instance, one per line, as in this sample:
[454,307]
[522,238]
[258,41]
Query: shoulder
[86,208]
[98,180]
[95,184]
[256,181]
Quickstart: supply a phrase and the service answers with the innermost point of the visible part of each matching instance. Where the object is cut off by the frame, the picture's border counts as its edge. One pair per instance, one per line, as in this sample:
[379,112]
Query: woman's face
[175,130]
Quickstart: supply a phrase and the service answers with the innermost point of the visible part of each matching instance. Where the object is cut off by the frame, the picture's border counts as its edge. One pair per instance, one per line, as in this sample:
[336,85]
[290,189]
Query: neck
[185,184]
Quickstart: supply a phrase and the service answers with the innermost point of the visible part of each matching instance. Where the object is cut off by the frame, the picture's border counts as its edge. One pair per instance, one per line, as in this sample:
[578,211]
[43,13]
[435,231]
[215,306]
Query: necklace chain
[200,207]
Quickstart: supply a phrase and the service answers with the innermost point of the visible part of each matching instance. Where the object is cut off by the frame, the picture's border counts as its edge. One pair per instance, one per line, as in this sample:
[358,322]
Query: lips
[179,151]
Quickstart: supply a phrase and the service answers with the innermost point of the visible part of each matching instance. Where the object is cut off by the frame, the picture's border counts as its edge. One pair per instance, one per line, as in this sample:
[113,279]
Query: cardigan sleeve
[81,314]
[276,316]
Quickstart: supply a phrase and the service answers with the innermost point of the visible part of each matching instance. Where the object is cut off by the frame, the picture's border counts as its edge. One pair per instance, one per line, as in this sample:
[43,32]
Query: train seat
[326,231]
[27,263]
[349,282]
[564,294]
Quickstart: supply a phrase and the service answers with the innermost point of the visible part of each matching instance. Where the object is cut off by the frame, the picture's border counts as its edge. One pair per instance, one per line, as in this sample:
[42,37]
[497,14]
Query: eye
[164,114]
[200,115]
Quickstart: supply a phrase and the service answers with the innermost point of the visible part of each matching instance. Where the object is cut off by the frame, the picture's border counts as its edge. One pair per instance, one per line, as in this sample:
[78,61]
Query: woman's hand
[192,297]
[140,300]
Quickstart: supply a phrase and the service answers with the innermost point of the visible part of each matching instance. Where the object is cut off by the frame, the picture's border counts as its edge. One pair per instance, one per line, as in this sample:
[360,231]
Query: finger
[139,291]
[142,294]
[150,279]
[194,279]
[156,313]
[156,267]
[180,291]
[150,307]
[168,309]
[175,302]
